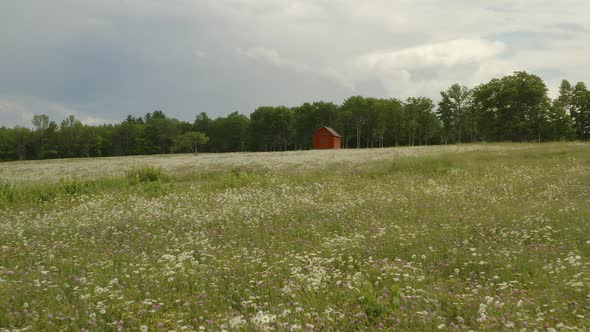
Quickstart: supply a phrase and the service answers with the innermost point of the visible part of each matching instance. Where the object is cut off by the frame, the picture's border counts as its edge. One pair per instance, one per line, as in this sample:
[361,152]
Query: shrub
[8,192]
[11,193]
[146,174]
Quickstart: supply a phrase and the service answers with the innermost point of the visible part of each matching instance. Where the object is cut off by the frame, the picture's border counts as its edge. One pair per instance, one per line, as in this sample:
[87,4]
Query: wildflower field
[475,237]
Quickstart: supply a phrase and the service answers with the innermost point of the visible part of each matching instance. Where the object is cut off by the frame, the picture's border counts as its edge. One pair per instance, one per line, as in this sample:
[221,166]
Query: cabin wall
[337,142]
[323,139]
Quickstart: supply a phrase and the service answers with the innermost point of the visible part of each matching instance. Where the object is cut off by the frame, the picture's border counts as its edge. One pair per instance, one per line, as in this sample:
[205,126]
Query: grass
[491,237]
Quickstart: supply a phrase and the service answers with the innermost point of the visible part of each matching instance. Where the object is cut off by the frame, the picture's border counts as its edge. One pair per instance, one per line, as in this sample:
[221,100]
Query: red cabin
[326,138]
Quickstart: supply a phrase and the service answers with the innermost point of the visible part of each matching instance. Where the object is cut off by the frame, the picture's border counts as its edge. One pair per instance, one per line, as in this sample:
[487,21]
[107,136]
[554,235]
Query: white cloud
[269,56]
[446,54]
[20,111]
[427,69]
[202,55]
[12,113]
[273,58]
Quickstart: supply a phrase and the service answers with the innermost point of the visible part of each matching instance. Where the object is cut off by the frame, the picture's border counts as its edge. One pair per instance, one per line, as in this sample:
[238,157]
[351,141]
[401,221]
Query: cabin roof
[332,131]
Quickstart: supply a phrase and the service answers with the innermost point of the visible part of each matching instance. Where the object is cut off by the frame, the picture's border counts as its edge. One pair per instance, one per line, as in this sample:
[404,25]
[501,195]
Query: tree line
[512,108]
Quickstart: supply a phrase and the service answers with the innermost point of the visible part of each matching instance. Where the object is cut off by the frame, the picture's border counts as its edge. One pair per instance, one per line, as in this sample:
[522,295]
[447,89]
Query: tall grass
[452,240]
[38,193]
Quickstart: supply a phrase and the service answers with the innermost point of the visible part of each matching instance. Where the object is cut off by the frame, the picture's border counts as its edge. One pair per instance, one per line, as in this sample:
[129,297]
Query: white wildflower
[237,322]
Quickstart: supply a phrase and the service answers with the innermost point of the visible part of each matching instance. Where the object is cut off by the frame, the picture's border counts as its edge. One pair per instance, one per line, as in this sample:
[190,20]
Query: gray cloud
[101,60]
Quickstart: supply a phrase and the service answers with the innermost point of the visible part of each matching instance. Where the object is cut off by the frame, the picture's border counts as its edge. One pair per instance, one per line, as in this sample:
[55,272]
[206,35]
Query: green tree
[126,134]
[159,133]
[560,114]
[452,111]
[566,96]
[420,120]
[580,110]
[344,125]
[236,128]
[21,137]
[203,124]
[272,128]
[306,121]
[512,108]
[70,137]
[358,108]
[41,124]
[191,141]
[5,144]
[559,123]
[393,118]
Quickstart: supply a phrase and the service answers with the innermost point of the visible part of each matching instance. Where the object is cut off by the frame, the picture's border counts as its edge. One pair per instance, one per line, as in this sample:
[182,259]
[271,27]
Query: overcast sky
[103,59]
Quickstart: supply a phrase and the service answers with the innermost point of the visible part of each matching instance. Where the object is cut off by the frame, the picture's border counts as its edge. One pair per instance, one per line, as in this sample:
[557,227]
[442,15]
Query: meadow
[471,237]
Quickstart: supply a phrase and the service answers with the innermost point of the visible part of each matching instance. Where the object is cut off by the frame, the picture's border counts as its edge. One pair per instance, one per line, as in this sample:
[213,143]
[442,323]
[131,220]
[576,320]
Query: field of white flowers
[477,237]
[187,164]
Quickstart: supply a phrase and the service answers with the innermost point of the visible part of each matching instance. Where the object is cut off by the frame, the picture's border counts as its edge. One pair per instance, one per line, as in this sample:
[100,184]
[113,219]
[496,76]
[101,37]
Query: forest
[513,108]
